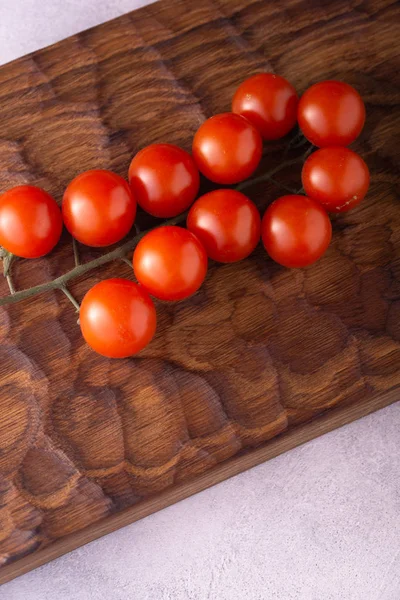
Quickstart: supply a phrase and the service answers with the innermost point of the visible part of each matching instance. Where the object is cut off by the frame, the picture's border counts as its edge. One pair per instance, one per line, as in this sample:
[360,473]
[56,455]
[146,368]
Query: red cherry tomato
[117,318]
[30,221]
[227,148]
[164,179]
[295,231]
[98,208]
[227,223]
[331,113]
[269,102]
[337,177]
[170,263]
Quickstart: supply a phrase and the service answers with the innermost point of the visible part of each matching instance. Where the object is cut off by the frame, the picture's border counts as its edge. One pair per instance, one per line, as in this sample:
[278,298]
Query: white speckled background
[321,522]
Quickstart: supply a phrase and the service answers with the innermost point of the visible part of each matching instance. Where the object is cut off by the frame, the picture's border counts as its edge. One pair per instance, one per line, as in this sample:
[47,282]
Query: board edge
[282,443]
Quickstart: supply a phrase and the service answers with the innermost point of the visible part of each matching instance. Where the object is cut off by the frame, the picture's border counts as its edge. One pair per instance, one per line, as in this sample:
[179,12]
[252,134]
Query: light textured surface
[319,523]
[27,25]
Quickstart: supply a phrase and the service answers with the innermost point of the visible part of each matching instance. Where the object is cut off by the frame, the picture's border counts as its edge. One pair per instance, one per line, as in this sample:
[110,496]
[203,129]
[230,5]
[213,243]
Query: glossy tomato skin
[117,318]
[227,148]
[98,208]
[331,113]
[269,102]
[30,221]
[170,263]
[296,231]
[164,180]
[227,223]
[337,177]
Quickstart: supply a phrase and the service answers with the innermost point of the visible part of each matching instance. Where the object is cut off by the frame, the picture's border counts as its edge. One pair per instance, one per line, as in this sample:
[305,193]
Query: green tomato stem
[8,258]
[70,297]
[126,260]
[76,252]
[10,284]
[267,176]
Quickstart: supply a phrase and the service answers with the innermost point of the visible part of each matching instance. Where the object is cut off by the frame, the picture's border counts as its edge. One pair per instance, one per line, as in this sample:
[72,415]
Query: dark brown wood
[87,444]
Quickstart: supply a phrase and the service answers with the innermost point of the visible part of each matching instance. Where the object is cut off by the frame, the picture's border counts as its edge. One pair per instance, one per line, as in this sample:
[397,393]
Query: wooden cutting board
[88,444]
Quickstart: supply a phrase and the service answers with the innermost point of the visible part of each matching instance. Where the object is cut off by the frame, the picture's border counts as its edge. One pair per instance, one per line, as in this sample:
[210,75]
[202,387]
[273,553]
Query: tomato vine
[169,262]
[119,253]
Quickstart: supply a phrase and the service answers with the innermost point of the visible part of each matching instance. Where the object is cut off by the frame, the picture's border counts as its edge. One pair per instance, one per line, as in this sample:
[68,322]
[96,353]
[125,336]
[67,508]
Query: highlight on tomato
[268,101]
[30,221]
[117,318]
[164,180]
[337,177]
[295,231]
[170,263]
[227,223]
[98,208]
[331,113]
[227,148]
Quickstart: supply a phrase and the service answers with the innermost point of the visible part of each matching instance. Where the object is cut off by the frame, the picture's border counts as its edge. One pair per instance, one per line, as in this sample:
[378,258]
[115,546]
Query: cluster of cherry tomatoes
[117,316]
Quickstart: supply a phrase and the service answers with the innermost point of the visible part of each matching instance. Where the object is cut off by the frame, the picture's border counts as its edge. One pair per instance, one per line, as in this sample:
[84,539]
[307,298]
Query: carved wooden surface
[260,349]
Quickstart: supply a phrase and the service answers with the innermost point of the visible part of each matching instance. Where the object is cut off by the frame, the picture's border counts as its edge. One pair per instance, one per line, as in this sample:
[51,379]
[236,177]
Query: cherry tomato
[170,263]
[295,231]
[30,221]
[331,113]
[269,102]
[337,177]
[227,223]
[164,179]
[227,148]
[117,318]
[98,208]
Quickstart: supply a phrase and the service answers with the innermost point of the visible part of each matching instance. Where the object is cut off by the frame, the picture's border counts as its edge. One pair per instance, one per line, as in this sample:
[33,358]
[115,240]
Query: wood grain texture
[88,444]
